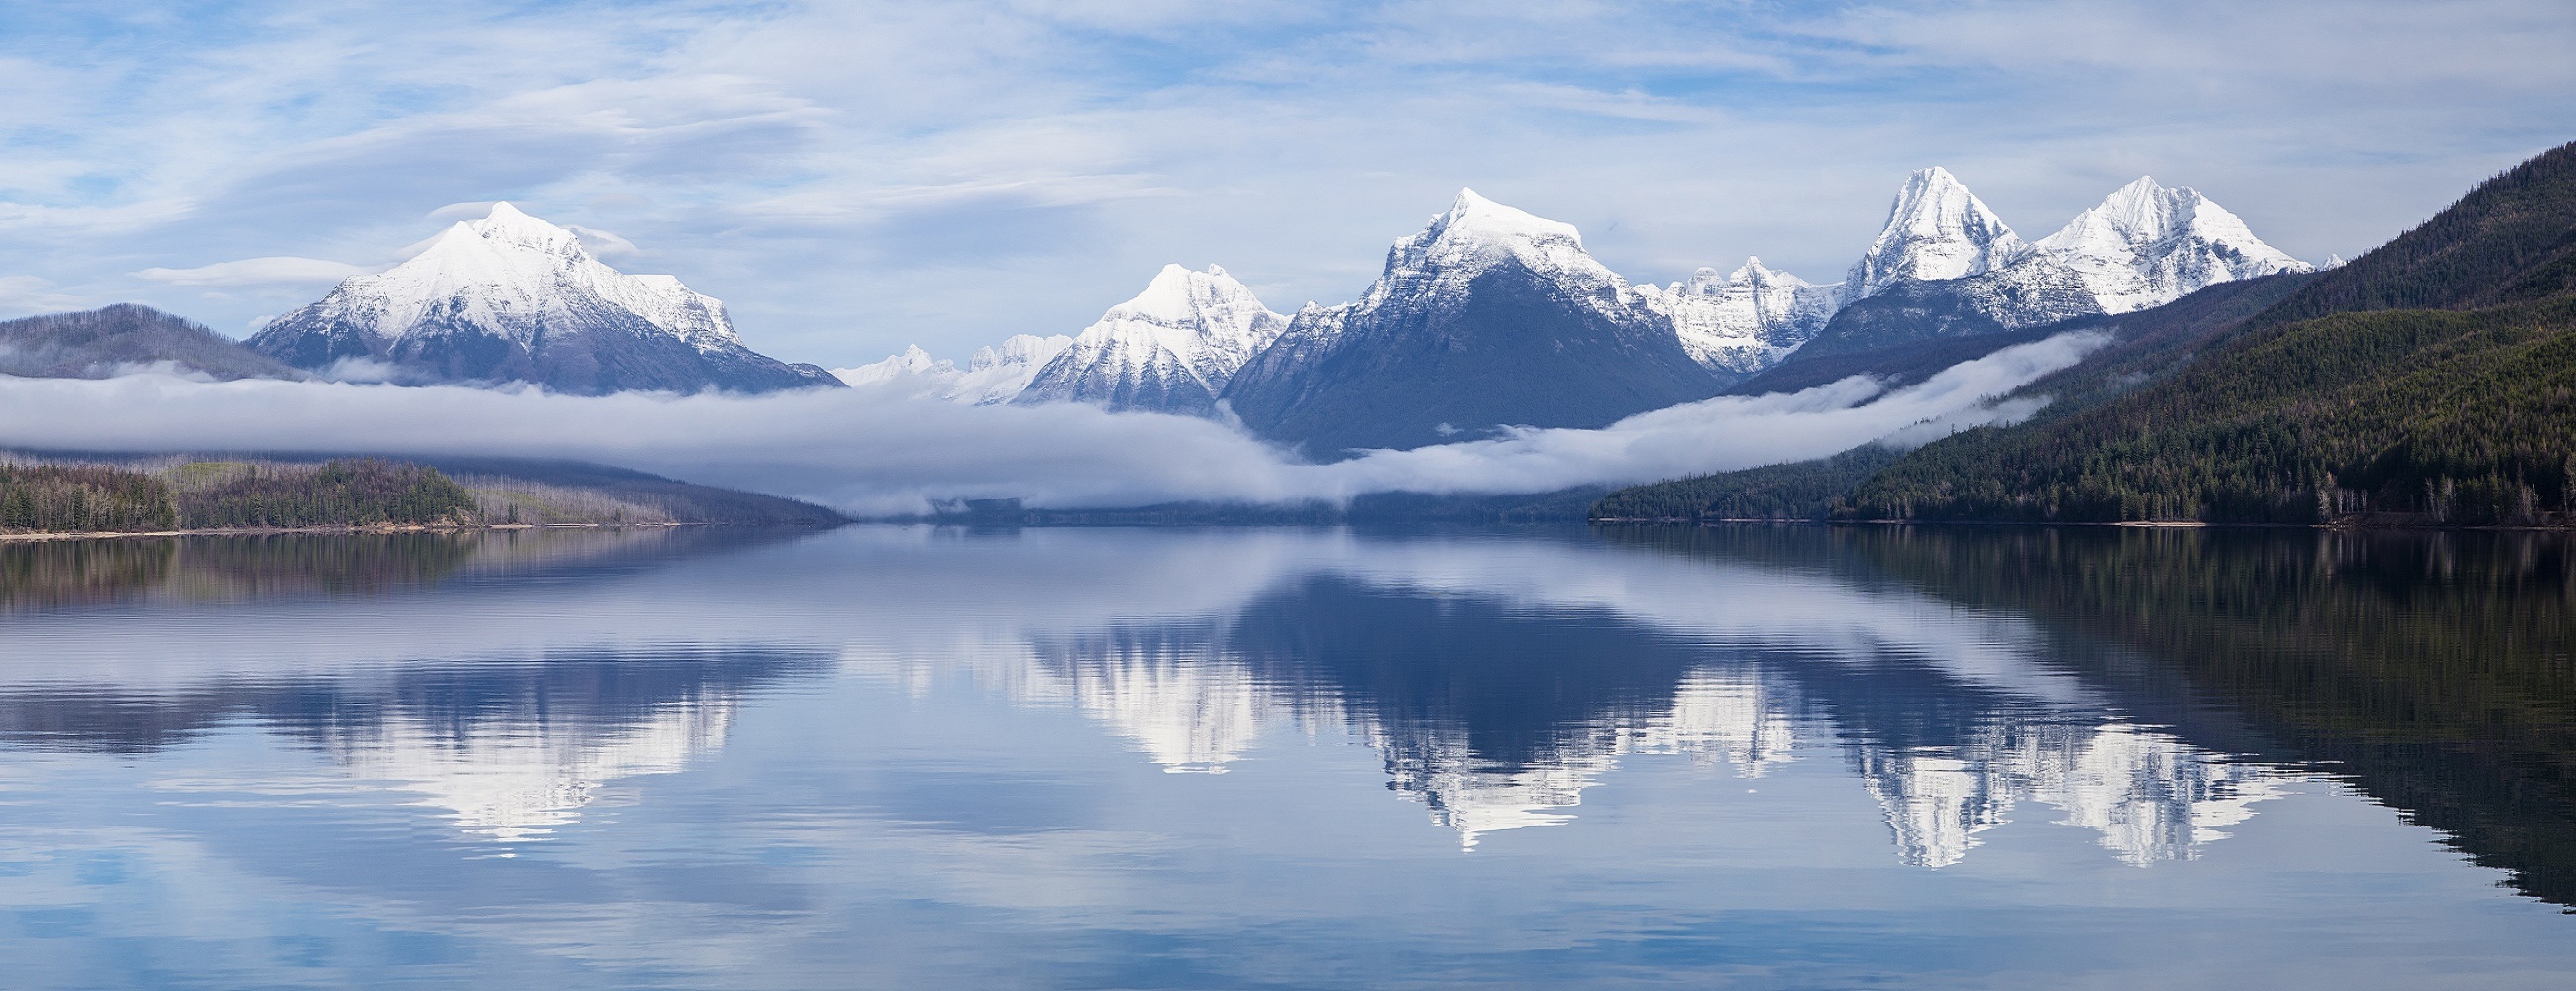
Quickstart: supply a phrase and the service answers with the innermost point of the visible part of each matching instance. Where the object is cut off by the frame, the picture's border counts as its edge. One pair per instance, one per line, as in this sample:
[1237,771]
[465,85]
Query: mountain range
[2430,381]
[1490,318]
[510,298]
[1485,320]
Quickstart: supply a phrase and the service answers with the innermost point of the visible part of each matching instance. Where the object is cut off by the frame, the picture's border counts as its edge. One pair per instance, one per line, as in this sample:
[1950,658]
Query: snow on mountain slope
[1947,267]
[998,374]
[513,298]
[991,377]
[1484,318]
[1433,267]
[913,373]
[1747,320]
[1171,349]
[1936,231]
[2147,245]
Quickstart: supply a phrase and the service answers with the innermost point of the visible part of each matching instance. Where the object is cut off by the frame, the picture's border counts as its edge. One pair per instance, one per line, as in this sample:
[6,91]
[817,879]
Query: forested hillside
[1803,490]
[2145,347]
[2431,381]
[2329,405]
[160,494]
[362,492]
[216,495]
[2460,418]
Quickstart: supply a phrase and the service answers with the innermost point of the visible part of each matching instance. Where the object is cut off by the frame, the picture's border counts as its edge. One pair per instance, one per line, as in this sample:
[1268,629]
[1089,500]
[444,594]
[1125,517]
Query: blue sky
[853,177]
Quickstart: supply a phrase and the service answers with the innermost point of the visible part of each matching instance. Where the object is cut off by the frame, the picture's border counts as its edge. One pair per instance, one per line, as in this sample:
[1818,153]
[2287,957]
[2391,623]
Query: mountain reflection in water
[1497,701]
[954,721]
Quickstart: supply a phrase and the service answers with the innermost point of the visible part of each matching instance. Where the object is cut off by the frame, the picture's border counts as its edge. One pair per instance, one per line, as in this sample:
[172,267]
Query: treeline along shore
[177,495]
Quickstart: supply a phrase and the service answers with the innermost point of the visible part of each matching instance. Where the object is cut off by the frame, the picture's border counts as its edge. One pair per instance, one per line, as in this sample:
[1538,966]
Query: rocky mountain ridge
[1943,265]
[511,298]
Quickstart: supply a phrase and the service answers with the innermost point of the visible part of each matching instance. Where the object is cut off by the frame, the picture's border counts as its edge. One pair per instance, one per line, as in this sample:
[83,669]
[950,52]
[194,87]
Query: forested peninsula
[180,495]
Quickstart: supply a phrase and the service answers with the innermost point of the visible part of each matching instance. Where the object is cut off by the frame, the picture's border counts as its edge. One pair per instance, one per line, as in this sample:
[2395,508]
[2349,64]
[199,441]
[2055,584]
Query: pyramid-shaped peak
[2144,187]
[2144,211]
[2148,244]
[1472,215]
[1178,293]
[2145,208]
[508,224]
[1936,230]
[1752,272]
[1933,198]
[1933,189]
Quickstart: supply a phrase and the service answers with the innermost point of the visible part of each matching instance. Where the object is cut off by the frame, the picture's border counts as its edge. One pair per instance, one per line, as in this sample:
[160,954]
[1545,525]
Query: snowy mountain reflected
[1499,713]
[923,757]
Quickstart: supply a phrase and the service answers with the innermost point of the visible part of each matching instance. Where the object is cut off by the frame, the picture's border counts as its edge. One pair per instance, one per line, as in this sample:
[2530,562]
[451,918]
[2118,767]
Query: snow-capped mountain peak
[1201,304]
[994,375]
[1756,275]
[2143,212]
[1170,349]
[1936,230]
[1745,320]
[1455,248]
[2148,244]
[1473,218]
[1018,349]
[514,274]
[1476,232]
[506,224]
[510,297]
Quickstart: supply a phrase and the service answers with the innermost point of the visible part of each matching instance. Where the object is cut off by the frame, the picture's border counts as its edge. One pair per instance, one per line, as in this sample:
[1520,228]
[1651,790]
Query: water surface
[892,757]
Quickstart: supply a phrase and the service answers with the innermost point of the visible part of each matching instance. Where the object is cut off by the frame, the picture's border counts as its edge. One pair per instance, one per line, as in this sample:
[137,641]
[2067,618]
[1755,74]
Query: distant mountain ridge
[1958,272]
[1171,349]
[125,338]
[1568,342]
[510,298]
[2431,381]
[1746,320]
[1487,317]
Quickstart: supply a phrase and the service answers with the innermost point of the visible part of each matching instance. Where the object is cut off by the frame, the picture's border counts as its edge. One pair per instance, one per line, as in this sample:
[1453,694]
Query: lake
[1276,758]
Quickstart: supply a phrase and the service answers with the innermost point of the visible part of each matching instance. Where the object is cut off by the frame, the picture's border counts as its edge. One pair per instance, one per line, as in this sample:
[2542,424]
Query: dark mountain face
[105,342]
[2027,295]
[1512,349]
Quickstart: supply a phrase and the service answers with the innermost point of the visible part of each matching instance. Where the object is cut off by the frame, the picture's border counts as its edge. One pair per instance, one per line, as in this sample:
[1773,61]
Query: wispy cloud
[268,271]
[29,293]
[879,453]
[852,177]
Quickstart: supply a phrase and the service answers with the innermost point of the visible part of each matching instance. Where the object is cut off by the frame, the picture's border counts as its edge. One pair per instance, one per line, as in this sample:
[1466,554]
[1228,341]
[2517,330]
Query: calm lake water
[1258,758]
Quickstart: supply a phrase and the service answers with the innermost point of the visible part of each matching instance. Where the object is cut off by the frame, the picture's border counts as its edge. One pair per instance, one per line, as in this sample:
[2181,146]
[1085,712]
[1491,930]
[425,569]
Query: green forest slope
[2431,381]
[2145,346]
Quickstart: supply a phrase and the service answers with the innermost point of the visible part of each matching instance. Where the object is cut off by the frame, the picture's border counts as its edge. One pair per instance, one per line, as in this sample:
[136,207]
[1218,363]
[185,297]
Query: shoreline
[2131,524]
[334,531]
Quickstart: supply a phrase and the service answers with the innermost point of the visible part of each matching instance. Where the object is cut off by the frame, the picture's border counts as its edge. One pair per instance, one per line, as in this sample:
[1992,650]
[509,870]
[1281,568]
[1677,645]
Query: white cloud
[472,210]
[871,452]
[853,177]
[21,294]
[273,270]
[603,243]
